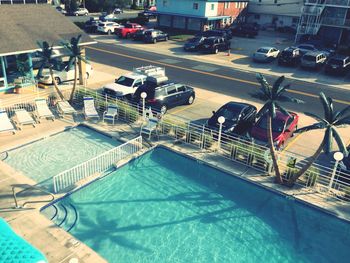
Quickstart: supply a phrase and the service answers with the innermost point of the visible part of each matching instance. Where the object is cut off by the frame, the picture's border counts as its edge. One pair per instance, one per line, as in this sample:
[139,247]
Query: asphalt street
[215,78]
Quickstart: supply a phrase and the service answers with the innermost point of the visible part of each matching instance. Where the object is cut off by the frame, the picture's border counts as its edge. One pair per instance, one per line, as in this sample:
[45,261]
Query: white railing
[98,164]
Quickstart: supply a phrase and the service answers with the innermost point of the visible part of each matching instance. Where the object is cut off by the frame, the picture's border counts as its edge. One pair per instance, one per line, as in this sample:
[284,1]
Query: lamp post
[143,96]
[338,156]
[221,120]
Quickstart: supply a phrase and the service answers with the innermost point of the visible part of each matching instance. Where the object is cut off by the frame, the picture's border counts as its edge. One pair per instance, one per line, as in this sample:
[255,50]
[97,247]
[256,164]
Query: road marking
[208,73]
[187,107]
[205,68]
[295,139]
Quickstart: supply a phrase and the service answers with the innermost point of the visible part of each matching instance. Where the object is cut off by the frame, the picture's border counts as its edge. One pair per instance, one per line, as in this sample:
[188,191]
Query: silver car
[81,12]
[266,54]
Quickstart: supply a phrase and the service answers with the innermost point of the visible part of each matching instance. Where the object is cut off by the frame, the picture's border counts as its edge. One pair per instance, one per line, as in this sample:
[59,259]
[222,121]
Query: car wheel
[163,109]
[190,100]
[216,50]
[58,80]
[166,38]
[76,15]
[154,41]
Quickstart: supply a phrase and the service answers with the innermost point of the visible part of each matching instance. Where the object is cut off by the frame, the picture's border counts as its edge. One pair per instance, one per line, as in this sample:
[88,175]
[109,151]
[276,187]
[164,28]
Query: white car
[81,12]
[108,27]
[266,54]
[61,74]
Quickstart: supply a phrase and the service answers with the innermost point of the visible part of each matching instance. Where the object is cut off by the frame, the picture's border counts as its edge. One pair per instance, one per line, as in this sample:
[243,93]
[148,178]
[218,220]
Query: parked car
[108,27]
[126,85]
[290,56]
[147,14]
[165,96]
[226,33]
[81,12]
[313,60]
[245,30]
[154,36]
[139,35]
[239,118]
[283,127]
[61,10]
[62,73]
[344,165]
[266,54]
[128,30]
[118,11]
[215,44]
[91,25]
[194,44]
[338,65]
[304,48]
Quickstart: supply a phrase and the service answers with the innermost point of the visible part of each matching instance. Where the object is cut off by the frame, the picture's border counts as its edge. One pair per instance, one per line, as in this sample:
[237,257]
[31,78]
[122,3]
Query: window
[212,6]
[171,90]
[226,5]
[195,6]
[181,89]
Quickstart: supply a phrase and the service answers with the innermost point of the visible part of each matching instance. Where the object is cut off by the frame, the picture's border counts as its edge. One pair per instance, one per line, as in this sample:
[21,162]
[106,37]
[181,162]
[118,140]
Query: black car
[147,14]
[90,26]
[239,118]
[338,65]
[154,35]
[165,96]
[194,44]
[215,44]
[226,33]
[139,35]
[245,31]
[290,56]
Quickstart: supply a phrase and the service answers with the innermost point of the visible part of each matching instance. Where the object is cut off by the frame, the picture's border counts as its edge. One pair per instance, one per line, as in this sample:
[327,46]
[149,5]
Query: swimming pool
[164,207]
[48,157]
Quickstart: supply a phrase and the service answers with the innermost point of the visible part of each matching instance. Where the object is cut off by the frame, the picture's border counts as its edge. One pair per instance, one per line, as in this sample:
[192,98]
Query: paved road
[213,77]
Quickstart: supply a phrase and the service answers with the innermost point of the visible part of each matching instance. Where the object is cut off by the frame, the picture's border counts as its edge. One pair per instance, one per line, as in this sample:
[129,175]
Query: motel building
[22,27]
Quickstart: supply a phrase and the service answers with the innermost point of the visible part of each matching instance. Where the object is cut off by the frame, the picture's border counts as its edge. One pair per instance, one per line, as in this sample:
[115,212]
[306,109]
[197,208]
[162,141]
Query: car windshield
[309,58]
[128,26]
[230,113]
[306,47]
[277,125]
[263,50]
[287,53]
[194,40]
[125,81]
[337,62]
[208,41]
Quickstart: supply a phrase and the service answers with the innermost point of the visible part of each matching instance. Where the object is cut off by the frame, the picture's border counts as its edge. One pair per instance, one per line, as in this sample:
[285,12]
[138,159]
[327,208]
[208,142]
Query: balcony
[338,3]
[329,21]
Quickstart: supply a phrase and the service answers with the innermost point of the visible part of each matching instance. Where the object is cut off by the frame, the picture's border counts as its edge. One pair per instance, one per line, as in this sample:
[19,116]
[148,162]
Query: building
[328,19]
[275,13]
[12,2]
[21,28]
[199,14]
[145,3]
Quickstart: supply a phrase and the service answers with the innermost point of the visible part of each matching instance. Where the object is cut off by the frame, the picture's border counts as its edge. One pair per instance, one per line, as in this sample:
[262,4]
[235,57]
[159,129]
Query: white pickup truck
[126,85]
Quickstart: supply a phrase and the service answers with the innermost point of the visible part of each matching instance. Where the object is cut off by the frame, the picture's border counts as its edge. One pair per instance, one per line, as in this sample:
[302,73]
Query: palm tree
[47,59]
[75,56]
[272,95]
[329,122]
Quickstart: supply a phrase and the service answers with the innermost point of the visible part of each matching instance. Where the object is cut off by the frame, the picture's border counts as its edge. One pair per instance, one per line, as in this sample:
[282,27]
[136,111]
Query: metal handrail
[65,214]
[27,188]
[6,155]
[76,217]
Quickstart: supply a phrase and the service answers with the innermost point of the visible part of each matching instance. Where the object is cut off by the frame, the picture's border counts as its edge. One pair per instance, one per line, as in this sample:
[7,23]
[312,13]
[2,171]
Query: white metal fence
[98,164]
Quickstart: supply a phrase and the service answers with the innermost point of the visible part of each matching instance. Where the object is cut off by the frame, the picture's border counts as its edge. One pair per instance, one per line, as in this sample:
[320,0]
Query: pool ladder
[4,155]
[27,187]
[76,216]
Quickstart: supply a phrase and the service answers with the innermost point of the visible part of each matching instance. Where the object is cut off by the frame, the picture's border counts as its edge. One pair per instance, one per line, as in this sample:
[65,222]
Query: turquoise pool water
[163,207]
[46,158]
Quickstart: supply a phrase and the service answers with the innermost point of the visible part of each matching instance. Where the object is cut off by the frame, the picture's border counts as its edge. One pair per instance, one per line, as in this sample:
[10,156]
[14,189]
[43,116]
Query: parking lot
[240,56]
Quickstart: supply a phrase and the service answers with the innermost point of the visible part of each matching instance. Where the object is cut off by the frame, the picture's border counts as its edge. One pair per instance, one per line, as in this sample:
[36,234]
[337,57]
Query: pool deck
[60,246]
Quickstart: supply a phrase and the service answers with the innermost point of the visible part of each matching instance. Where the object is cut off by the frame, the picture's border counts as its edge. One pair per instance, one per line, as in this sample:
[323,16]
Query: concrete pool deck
[60,246]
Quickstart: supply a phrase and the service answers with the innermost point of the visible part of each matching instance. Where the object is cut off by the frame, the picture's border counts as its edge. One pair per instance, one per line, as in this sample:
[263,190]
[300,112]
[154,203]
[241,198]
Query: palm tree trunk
[306,166]
[272,151]
[55,85]
[75,81]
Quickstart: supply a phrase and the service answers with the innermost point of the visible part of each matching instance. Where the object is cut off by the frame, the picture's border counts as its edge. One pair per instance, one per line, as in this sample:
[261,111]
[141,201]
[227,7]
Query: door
[172,98]
[183,94]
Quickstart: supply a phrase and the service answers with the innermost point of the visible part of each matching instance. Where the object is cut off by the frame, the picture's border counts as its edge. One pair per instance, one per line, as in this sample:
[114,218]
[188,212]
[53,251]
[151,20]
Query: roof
[22,26]
[191,16]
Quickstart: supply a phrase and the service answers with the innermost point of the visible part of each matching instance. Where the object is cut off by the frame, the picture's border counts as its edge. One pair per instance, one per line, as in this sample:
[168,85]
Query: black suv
[239,118]
[216,33]
[290,56]
[165,96]
[153,36]
[245,31]
[338,65]
[194,44]
[215,44]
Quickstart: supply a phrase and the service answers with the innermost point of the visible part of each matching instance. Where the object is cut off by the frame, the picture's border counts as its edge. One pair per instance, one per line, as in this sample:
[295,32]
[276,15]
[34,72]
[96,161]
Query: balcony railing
[334,21]
[344,3]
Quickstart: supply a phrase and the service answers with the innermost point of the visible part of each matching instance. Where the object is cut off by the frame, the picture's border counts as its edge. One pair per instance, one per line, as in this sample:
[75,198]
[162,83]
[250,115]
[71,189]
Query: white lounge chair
[22,117]
[150,125]
[5,123]
[111,113]
[63,108]
[89,108]
[42,110]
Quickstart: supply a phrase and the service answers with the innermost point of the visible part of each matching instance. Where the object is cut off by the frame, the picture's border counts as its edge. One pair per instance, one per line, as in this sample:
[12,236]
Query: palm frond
[71,60]
[272,110]
[283,89]
[328,140]
[259,95]
[265,86]
[326,107]
[315,126]
[277,85]
[343,121]
[283,110]
[339,141]
[263,110]
[343,112]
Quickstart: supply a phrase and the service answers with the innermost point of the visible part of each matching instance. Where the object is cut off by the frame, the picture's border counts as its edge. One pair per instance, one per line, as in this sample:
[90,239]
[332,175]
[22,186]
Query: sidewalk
[240,58]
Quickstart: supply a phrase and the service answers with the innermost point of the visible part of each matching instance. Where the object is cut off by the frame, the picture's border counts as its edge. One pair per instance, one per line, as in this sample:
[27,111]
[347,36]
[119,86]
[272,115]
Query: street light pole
[143,96]
[338,156]
[221,120]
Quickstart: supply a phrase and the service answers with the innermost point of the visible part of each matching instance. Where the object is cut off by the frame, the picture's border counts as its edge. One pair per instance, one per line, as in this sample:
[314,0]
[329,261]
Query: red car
[128,30]
[283,127]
